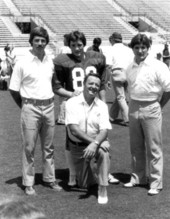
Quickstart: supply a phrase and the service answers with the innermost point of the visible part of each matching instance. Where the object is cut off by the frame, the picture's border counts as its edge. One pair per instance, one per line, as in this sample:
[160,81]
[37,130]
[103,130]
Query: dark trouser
[90,171]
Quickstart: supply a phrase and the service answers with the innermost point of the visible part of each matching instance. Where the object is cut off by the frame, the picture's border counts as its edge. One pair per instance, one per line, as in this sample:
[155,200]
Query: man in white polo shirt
[121,56]
[31,89]
[149,88]
[87,121]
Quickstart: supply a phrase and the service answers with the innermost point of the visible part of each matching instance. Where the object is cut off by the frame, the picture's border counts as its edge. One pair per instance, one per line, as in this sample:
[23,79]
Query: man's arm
[17,97]
[65,93]
[58,86]
[165,98]
[78,133]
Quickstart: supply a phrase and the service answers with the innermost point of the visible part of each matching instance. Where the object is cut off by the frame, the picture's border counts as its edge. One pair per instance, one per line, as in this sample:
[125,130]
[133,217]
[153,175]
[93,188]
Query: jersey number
[78,75]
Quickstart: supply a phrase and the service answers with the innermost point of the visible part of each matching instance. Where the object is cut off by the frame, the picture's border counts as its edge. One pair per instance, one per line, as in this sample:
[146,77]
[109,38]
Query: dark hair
[140,39]
[66,37]
[117,37]
[91,74]
[76,35]
[7,48]
[97,41]
[39,31]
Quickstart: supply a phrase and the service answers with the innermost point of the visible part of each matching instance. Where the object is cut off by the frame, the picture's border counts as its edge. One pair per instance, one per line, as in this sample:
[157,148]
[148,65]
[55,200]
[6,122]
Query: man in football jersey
[62,100]
[70,71]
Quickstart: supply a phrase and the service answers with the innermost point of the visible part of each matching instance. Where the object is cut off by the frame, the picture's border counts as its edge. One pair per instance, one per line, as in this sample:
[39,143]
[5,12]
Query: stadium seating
[96,18]
[157,10]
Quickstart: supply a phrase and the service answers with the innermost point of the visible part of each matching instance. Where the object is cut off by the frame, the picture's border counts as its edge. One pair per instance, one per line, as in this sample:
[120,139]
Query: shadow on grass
[119,122]
[61,174]
[92,191]
[62,178]
[125,178]
[122,177]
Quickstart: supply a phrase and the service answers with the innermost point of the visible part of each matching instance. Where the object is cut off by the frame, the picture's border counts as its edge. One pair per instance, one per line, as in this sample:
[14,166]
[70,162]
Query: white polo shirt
[33,78]
[90,119]
[148,80]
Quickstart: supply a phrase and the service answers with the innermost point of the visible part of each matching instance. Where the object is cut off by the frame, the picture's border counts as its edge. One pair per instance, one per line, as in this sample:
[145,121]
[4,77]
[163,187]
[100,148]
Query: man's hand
[76,93]
[105,145]
[90,151]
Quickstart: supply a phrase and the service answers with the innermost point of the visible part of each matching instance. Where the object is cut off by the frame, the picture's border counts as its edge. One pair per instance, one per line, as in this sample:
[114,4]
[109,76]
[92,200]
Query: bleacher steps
[13,9]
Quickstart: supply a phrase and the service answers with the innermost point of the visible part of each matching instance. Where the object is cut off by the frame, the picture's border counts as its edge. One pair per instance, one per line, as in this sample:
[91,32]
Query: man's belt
[44,102]
[78,144]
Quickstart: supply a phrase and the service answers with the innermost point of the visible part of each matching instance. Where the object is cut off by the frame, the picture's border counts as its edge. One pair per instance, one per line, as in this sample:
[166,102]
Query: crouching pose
[87,122]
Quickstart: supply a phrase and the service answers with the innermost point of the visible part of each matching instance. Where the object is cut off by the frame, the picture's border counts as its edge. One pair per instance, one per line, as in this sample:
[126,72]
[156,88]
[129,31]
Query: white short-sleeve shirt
[120,56]
[90,119]
[33,78]
[148,80]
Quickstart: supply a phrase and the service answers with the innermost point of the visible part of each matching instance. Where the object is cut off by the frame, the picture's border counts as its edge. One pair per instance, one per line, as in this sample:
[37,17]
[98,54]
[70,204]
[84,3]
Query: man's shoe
[154,191]
[72,180]
[125,123]
[111,119]
[53,185]
[29,190]
[60,122]
[102,195]
[102,200]
[129,185]
[112,179]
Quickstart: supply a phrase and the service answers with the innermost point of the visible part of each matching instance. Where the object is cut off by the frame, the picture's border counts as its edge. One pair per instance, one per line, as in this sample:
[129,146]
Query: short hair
[97,40]
[17,209]
[66,36]
[140,39]
[91,74]
[39,31]
[76,35]
[117,37]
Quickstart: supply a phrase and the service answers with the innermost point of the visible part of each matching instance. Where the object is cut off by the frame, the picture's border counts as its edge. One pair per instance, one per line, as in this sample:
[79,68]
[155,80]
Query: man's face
[77,48]
[39,44]
[141,52]
[92,86]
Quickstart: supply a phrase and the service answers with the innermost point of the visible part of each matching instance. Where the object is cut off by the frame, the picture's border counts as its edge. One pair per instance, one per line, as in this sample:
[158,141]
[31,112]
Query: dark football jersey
[70,72]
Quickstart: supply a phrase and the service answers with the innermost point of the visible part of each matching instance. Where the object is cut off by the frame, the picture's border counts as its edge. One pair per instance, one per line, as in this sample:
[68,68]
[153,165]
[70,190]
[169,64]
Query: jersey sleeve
[59,73]
[103,72]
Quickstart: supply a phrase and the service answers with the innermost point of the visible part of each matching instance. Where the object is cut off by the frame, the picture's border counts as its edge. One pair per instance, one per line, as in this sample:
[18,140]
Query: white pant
[146,143]
[120,102]
[37,120]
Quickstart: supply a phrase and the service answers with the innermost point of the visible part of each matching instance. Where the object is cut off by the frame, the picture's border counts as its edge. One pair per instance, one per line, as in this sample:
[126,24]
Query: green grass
[123,203]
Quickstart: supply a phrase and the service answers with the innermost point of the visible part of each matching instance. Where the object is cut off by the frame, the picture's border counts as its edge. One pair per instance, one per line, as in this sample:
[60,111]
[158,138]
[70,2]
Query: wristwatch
[96,142]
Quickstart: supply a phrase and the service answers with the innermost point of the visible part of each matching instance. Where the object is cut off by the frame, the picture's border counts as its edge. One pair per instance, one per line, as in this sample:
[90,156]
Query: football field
[77,204]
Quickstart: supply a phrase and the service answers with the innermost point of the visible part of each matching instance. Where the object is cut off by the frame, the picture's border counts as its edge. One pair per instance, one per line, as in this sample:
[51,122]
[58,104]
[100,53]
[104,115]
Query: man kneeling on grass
[87,122]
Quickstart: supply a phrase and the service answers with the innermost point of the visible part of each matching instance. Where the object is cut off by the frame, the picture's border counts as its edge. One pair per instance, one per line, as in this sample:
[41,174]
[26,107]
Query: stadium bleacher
[96,18]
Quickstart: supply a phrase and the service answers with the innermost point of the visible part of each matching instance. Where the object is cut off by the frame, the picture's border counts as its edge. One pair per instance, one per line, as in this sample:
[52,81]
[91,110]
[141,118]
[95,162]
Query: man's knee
[104,153]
